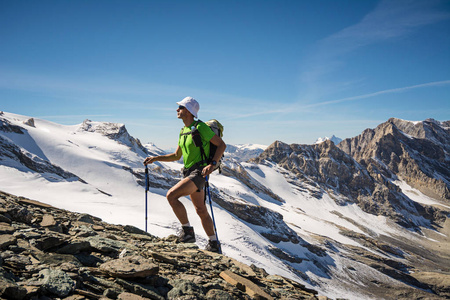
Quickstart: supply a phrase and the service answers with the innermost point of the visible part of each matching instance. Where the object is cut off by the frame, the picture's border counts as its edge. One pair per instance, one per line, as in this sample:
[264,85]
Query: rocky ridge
[418,152]
[114,131]
[52,253]
[21,158]
[331,170]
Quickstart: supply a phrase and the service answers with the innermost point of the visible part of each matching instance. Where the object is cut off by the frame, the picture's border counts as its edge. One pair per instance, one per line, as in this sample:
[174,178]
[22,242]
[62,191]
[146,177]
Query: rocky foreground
[49,253]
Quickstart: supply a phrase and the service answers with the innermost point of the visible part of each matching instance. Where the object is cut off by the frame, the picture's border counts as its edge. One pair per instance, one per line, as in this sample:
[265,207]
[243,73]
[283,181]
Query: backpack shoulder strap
[189,132]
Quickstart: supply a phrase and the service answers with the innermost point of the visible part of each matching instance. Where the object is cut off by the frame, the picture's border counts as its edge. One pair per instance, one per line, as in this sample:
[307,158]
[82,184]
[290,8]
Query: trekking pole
[146,191]
[212,214]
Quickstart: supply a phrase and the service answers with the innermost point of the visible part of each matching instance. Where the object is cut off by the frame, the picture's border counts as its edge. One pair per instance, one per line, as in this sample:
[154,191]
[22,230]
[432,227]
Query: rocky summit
[50,253]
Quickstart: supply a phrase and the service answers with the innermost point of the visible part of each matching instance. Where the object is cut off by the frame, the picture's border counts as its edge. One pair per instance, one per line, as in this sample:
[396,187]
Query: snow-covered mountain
[239,153]
[333,138]
[243,152]
[153,149]
[350,222]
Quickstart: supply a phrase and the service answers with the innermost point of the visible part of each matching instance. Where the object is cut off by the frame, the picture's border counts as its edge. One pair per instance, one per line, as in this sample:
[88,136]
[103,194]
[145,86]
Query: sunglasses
[181,107]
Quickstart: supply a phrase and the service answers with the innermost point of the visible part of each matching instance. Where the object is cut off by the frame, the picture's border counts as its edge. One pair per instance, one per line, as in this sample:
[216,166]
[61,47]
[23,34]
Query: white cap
[191,105]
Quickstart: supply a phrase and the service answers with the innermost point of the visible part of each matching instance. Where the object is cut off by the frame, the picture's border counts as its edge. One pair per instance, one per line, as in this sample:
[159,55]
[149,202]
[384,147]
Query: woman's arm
[221,146]
[168,157]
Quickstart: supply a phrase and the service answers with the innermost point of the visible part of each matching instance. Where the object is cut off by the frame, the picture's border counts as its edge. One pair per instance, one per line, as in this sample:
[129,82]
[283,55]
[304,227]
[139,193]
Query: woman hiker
[194,172]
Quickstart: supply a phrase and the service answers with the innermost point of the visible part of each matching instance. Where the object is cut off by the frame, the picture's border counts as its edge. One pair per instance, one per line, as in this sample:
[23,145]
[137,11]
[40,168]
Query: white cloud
[388,91]
[303,107]
[390,19]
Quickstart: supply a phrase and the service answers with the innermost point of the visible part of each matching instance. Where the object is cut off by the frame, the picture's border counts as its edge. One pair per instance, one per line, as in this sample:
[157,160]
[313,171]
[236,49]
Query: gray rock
[7,240]
[75,247]
[105,245]
[86,218]
[21,214]
[57,282]
[54,259]
[130,267]
[83,231]
[4,219]
[89,260]
[9,289]
[218,295]
[130,296]
[111,293]
[48,220]
[17,262]
[140,289]
[185,289]
[48,242]
[133,229]
[29,122]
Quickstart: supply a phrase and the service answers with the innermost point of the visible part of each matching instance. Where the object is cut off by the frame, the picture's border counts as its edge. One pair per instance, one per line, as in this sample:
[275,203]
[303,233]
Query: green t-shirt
[191,153]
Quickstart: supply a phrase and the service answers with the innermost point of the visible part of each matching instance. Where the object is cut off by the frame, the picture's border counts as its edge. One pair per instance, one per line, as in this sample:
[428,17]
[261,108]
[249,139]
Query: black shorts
[195,174]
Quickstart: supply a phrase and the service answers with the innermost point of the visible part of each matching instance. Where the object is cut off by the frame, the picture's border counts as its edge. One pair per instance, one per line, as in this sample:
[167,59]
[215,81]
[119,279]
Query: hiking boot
[187,235]
[213,246]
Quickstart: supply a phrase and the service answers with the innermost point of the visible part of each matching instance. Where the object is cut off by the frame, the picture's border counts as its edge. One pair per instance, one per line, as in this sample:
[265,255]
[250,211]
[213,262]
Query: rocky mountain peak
[366,145]
[111,130]
[114,131]
[429,129]
[417,152]
[323,164]
[333,138]
[360,169]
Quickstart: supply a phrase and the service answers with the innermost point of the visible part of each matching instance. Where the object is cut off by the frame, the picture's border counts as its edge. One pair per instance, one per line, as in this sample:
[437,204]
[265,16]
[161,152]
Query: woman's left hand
[207,170]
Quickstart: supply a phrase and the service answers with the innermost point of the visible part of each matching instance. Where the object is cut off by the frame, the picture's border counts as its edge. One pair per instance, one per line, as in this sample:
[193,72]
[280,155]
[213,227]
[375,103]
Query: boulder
[57,282]
[130,267]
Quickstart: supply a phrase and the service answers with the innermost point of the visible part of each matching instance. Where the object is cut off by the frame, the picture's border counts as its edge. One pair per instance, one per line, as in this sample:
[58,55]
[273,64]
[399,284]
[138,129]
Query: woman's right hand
[150,160]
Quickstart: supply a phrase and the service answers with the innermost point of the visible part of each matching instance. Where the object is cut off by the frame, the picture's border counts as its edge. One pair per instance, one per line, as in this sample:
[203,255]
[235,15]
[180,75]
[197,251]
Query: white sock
[212,238]
[186,225]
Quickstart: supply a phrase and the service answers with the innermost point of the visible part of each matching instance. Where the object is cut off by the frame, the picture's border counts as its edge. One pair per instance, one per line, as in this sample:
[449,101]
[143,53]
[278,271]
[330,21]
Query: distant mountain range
[364,168]
[333,138]
[237,152]
[366,218]
[244,152]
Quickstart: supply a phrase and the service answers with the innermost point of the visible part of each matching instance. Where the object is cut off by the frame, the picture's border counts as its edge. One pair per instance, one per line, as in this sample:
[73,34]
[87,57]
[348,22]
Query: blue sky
[268,70]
